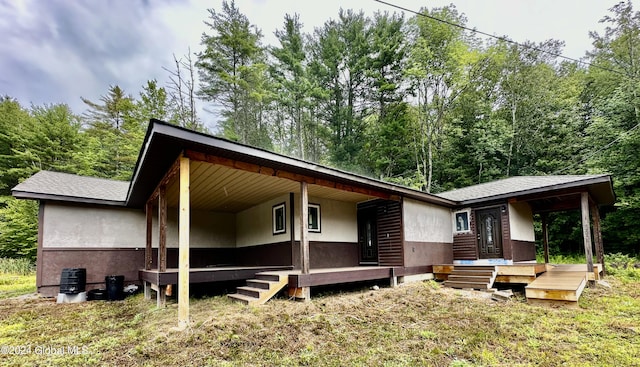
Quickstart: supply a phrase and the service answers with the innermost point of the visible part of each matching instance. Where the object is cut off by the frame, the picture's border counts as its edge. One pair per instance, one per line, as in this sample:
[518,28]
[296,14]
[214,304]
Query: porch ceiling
[220,188]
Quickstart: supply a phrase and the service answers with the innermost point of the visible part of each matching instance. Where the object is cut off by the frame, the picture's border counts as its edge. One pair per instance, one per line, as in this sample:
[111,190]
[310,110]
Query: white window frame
[461,214]
[319,229]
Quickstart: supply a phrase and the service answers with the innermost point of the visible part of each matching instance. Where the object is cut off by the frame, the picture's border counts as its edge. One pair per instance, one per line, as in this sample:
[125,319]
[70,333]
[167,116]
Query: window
[279,219]
[461,221]
[314,218]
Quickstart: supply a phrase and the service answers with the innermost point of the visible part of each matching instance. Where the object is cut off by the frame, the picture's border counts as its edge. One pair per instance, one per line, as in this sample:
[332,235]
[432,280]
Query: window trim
[461,214]
[319,229]
[274,217]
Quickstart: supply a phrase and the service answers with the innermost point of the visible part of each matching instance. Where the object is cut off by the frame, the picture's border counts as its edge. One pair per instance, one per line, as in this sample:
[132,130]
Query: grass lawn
[418,324]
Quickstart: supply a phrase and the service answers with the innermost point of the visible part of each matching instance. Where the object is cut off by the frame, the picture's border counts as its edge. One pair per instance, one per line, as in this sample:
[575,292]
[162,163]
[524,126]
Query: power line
[623,134]
[505,39]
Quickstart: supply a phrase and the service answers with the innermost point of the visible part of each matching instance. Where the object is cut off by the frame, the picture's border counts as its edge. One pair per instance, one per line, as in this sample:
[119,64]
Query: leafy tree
[614,120]
[232,74]
[339,63]
[18,228]
[13,121]
[112,138]
[291,85]
[437,61]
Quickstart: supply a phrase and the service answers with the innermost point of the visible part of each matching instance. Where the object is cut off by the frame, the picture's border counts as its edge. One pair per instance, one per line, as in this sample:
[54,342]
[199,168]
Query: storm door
[368,236]
[489,233]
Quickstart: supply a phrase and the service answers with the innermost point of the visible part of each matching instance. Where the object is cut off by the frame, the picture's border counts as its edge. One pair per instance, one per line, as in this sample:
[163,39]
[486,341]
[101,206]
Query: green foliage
[20,266]
[233,75]
[623,266]
[18,228]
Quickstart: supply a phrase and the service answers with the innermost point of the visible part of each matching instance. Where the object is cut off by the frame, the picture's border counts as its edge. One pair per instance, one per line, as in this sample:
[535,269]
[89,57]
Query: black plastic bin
[73,280]
[115,287]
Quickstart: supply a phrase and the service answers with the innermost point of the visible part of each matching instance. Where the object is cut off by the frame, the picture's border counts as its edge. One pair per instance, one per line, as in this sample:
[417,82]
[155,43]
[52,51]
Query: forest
[412,100]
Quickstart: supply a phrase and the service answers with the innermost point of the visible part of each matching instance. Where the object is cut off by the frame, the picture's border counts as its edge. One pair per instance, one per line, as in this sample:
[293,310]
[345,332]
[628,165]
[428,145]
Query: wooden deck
[524,273]
[546,283]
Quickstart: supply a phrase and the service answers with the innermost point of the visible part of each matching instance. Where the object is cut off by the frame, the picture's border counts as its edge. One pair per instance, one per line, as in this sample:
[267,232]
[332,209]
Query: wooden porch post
[148,250]
[586,231]
[304,235]
[545,236]
[597,236]
[162,243]
[184,228]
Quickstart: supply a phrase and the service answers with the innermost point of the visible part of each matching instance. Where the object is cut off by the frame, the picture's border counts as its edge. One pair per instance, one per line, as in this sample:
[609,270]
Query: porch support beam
[268,171]
[183,243]
[161,296]
[304,235]
[597,236]
[586,230]
[148,250]
[173,170]
[545,236]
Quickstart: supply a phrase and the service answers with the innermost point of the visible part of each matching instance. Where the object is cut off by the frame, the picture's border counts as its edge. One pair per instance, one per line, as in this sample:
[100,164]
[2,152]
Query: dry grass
[416,324]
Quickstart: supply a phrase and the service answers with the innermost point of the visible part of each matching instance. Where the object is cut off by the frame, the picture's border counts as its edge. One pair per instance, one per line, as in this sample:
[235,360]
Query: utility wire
[505,39]
[623,134]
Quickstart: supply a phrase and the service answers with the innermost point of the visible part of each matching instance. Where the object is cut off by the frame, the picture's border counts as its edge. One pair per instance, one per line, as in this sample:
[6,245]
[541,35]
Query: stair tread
[242,297]
[252,289]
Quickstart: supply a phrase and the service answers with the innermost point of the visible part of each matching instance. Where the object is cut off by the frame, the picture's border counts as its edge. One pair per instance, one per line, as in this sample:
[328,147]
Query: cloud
[56,51]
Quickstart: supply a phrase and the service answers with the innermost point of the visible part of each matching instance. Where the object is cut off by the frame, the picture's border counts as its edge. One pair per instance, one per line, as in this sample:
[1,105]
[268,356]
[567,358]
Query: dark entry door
[489,233]
[368,236]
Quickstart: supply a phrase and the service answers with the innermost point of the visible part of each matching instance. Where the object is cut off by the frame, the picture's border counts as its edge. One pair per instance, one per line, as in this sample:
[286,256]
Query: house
[204,209]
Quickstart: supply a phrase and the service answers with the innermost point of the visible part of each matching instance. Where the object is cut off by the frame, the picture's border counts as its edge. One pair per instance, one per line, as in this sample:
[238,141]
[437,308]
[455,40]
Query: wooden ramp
[557,285]
[261,289]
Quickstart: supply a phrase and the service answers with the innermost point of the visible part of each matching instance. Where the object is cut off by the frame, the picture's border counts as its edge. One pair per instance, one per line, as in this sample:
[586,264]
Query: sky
[57,51]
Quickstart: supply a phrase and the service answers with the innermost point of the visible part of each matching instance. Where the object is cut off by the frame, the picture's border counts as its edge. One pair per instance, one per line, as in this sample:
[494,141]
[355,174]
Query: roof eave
[63,198]
[587,181]
[189,137]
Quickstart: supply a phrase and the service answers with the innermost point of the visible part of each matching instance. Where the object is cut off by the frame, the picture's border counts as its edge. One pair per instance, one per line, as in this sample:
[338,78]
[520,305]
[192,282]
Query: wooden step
[263,288]
[242,298]
[472,285]
[470,278]
[258,283]
[250,291]
[270,276]
[475,267]
[487,273]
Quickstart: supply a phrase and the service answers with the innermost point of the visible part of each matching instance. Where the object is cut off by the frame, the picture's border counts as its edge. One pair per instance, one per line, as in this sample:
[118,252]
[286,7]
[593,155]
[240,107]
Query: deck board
[557,285]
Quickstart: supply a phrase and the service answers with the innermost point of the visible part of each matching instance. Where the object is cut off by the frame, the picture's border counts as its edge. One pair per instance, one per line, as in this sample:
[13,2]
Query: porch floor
[206,275]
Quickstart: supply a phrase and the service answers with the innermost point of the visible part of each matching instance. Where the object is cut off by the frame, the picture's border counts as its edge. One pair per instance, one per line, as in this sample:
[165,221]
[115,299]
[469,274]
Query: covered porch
[217,210]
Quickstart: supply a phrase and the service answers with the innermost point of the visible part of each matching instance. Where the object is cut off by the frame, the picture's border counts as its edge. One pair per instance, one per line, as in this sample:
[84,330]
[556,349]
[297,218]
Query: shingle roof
[517,185]
[68,187]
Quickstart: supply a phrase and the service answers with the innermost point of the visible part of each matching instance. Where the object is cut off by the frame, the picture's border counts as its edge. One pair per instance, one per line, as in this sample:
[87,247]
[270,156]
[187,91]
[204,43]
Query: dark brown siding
[328,254]
[269,254]
[465,246]
[390,252]
[98,262]
[507,249]
[523,250]
[427,253]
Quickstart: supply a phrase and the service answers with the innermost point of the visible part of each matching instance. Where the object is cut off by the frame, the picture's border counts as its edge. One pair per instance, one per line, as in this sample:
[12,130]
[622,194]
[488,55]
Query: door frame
[497,232]
[368,214]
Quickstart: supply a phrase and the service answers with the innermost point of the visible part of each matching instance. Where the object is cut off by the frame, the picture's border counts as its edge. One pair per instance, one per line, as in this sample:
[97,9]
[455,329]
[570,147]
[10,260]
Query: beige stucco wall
[254,225]
[338,220]
[425,222]
[521,222]
[111,227]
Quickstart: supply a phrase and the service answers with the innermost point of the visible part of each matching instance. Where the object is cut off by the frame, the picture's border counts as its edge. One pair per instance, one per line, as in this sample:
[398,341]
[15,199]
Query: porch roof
[163,143]
[598,186]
